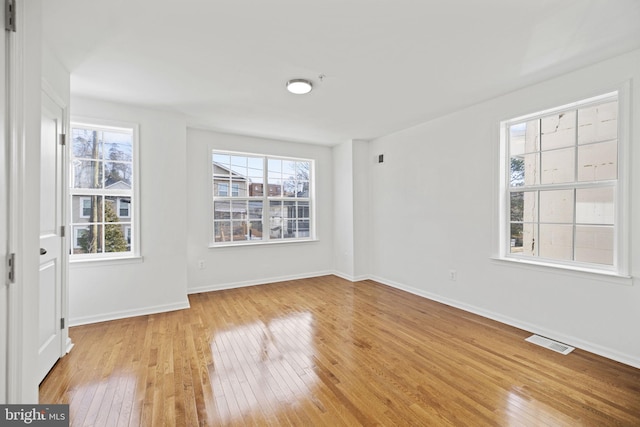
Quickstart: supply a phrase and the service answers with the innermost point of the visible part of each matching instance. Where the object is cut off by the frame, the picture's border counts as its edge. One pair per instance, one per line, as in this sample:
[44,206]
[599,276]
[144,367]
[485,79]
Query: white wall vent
[550,344]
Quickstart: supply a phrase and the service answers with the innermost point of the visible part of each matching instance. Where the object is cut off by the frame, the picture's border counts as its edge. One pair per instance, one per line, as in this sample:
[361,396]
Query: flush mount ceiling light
[299,86]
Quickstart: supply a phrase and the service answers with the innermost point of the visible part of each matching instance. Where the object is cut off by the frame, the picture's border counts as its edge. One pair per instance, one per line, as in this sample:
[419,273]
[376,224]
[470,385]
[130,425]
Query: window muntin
[102,191]
[270,198]
[562,185]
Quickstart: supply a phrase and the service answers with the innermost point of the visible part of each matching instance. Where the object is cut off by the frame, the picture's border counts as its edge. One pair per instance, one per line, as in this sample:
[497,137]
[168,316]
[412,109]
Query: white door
[51,239]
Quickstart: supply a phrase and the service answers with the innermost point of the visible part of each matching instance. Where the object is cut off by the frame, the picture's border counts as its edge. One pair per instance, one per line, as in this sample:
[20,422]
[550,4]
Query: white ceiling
[389,64]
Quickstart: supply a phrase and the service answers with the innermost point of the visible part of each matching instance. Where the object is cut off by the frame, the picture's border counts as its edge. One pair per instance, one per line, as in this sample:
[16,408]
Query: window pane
[275,188]
[86,144]
[529,236]
[524,138]
[87,239]
[124,207]
[256,190]
[517,171]
[220,188]
[240,230]
[598,162]
[118,176]
[556,206]
[303,228]
[82,208]
[303,189]
[556,241]
[118,146]
[558,166]
[303,171]
[222,231]
[595,206]
[517,206]
[239,188]
[221,210]
[558,131]
[275,168]
[594,244]
[303,210]
[288,169]
[275,219]
[289,188]
[598,123]
[239,210]
[111,209]
[516,238]
[255,230]
[114,238]
[87,174]
[222,160]
[255,210]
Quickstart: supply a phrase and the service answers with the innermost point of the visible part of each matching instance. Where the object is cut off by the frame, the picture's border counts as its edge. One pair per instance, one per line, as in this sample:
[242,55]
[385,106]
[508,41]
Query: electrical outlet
[453,275]
[201,264]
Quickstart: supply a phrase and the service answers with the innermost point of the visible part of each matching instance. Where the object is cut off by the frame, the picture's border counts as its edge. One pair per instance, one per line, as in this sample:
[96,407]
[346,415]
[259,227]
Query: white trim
[627,359]
[124,314]
[621,246]
[106,261]
[256,282]
[265,199]
[133,194]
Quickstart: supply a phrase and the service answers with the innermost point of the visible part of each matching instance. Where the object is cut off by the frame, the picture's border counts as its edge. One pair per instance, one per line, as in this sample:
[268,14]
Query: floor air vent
[550,344]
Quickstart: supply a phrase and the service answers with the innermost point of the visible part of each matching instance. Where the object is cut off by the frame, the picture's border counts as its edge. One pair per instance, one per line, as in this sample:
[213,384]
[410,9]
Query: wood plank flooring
[327,352]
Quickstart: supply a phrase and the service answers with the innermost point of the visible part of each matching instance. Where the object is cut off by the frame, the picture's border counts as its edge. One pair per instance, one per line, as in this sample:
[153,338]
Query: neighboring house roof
[227,171]
[119,185]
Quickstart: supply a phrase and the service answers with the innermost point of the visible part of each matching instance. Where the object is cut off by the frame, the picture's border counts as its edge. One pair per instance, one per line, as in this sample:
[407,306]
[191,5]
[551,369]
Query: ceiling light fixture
[299,86]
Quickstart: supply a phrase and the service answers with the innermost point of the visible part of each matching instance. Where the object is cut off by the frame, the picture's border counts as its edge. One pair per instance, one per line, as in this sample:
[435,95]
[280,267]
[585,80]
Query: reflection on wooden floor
[327,352]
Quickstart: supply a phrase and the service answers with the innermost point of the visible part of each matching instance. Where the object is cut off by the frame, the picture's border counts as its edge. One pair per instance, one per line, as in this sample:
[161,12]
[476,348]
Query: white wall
[247,265]
[351,164]
[343,250]
[433,206]
[108,290]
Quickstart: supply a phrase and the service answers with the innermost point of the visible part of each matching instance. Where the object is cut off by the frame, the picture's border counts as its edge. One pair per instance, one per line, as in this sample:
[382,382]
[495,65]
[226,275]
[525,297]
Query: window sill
[261,243]
[585,273]
[102,262]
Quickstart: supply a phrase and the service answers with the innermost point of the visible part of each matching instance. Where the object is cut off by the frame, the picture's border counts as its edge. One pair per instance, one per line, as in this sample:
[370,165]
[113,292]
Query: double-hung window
[562,186]
[259,198]
[102,193]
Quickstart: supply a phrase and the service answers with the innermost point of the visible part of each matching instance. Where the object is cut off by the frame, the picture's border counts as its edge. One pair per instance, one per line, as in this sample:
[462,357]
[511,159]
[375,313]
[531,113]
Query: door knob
[43,251]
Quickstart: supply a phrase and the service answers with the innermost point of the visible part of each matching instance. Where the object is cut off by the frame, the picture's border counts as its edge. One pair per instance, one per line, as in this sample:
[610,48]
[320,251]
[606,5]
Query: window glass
[101,190]
[561,183]
[263,190]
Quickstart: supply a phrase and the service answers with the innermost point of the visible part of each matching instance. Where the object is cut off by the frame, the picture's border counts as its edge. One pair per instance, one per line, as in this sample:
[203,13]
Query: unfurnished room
[296,213]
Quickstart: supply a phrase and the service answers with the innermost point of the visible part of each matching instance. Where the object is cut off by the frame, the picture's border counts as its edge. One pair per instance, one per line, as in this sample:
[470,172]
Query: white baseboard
[256,282]
[349,277]
[128,313]
[627,359]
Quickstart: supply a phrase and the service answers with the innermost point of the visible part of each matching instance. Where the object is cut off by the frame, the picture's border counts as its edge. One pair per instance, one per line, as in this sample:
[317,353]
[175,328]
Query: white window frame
[133,194]
[82,200]
[76,236]
[119,204]
[265,199]
[620,267]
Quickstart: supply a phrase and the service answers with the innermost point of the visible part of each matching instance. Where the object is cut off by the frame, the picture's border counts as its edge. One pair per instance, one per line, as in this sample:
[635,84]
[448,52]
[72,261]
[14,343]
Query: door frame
[22,133]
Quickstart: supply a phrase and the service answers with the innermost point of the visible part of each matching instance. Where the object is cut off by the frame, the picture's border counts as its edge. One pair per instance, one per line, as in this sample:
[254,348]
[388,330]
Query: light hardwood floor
[327,352]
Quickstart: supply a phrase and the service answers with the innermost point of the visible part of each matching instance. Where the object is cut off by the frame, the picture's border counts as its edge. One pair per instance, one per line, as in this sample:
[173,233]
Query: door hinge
[63,139]
[11,266]
[62,230]
[10,15]
[62,323]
